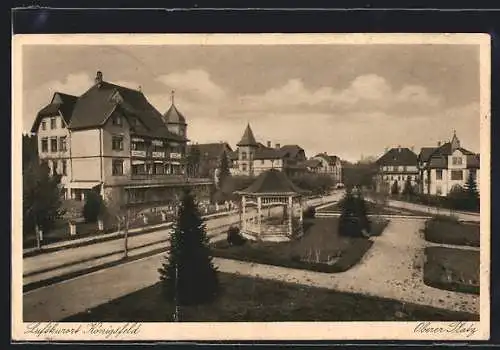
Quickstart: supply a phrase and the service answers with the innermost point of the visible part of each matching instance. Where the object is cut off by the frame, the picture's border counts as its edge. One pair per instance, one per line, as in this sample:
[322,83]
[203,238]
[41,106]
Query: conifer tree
[41,197]
[224,169]
[472,194]
[188,275]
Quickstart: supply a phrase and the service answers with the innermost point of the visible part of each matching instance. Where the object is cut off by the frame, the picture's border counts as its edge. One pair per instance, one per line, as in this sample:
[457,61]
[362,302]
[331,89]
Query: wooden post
[290,214]
[243,212]
[259,209]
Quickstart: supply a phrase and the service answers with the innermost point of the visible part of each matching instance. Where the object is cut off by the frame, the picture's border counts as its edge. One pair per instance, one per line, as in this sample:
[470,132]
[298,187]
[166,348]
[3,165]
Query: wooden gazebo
[271,208]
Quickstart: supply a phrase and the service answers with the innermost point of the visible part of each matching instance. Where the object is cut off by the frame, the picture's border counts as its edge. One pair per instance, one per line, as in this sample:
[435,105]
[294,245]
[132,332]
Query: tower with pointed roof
[174,120]
[246,152]
[455,142]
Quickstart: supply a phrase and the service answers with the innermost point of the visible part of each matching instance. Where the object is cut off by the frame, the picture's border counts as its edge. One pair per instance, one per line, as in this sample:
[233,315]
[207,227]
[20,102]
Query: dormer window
[117,120]
[44,125]
[53,123]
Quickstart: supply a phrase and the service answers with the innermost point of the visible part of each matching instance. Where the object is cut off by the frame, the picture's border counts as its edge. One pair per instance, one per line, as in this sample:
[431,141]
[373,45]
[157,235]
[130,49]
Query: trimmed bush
[353,219]
[234,237]
[309,213]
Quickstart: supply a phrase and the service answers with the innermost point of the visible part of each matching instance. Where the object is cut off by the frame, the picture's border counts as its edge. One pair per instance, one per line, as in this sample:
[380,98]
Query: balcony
[158,154]
[175,155]
[136,153]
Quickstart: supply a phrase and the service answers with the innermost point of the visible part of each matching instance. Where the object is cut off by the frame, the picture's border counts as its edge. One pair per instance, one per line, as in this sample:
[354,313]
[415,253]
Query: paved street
[392,268]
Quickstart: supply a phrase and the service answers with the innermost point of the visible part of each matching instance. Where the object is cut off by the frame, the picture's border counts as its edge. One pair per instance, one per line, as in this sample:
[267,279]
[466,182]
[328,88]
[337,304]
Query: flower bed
[451,231]
[452,269]
[320,249]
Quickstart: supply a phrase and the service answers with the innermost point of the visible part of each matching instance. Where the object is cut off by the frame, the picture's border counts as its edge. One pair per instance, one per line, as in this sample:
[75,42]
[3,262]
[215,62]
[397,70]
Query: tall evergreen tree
[224,172]
[472,192]
[408,188]
[41,197]
[188,275]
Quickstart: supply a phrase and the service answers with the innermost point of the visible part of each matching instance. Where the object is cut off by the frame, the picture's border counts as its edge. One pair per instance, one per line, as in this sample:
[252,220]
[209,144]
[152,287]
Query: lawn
[247,299]
[320,249]
[452,269]
[449,231]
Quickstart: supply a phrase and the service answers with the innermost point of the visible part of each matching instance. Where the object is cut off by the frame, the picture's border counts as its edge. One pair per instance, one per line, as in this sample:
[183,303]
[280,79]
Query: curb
[59,278]
[109,237]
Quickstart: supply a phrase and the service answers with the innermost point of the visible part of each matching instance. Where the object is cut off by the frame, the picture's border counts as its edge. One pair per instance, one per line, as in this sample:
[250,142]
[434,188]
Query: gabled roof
[212,150]
[291,150]
[312,163]
[273,182]
[332,160]
[247,139]
[425,153]
[268,153]
[473,161]
[438,156]
[398,156]
[62,104]
[173,116]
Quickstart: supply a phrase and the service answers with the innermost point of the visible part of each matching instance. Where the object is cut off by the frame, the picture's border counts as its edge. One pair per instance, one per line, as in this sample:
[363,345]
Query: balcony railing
[136,153]
[158,154]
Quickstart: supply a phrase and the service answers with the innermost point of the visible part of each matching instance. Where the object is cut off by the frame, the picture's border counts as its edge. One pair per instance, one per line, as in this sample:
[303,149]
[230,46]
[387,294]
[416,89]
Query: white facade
[457,173]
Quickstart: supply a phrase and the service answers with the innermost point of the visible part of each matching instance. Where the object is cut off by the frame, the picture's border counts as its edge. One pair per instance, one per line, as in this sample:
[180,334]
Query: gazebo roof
[273,182]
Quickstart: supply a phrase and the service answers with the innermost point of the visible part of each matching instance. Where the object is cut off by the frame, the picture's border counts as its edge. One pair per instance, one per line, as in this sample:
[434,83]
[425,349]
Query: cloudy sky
[348,100]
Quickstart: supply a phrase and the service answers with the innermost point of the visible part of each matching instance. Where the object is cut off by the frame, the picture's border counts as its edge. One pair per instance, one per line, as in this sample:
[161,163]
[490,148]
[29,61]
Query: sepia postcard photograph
[250,187]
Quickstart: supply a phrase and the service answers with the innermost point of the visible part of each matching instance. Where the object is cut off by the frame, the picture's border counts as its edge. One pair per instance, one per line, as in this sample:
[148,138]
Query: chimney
[139,88]
[269,144]
[399,148]
[278,146]
[439,143]
[412,148]
[386,149]
[98,78]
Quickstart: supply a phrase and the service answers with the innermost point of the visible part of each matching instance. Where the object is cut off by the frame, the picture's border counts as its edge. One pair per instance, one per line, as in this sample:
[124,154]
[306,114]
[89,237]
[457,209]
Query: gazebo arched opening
[271,208]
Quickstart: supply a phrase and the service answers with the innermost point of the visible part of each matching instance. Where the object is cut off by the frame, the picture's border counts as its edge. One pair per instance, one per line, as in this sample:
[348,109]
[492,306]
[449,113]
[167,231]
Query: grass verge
[450,231]
[452,269]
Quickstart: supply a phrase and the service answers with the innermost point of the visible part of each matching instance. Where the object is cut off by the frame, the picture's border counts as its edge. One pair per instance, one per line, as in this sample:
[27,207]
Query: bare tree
[122,211]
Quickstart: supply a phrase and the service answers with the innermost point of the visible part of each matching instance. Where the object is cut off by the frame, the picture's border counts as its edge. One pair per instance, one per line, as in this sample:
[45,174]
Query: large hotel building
[111,138]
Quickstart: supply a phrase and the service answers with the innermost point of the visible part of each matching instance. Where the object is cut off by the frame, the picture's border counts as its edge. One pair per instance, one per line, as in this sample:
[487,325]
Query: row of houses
[251,158]
[111,138]
[434,170]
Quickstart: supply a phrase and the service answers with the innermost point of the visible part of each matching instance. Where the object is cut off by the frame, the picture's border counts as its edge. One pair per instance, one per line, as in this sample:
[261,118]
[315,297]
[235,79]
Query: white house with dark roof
[252,158]
[396,166]
[327,164]
[112,137]
[446,166]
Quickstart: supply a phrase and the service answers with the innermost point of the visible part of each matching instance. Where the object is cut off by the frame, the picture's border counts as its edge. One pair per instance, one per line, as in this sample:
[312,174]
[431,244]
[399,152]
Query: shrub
[353,219]
[93,207]
[234,237]
[395,188]
[309,213]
